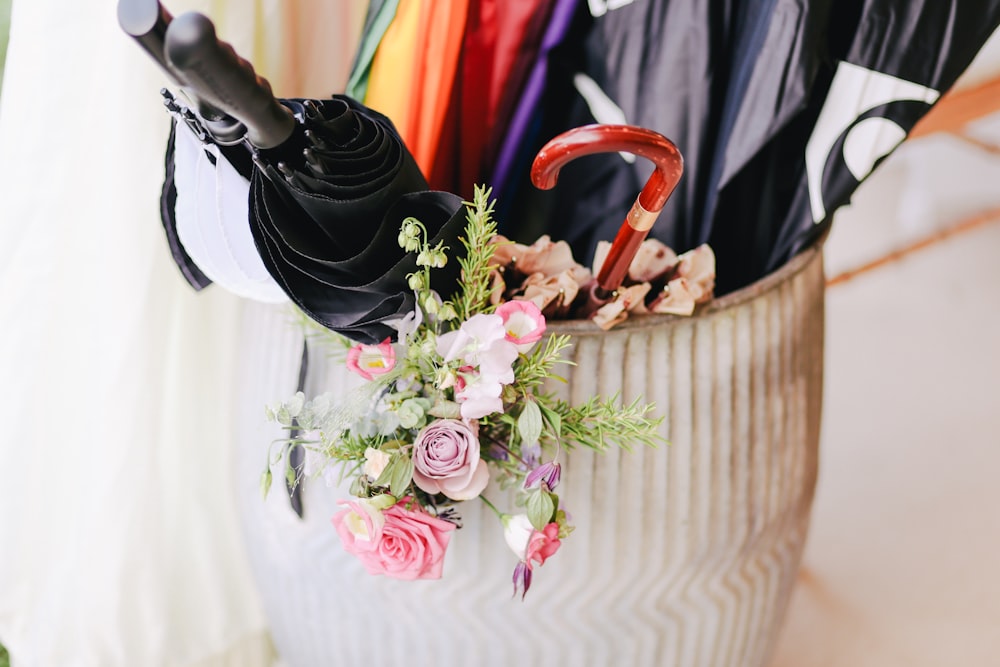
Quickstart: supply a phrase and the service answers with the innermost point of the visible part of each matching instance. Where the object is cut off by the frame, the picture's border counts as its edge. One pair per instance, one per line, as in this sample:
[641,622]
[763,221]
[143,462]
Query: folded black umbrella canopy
[331,182]
[327,225]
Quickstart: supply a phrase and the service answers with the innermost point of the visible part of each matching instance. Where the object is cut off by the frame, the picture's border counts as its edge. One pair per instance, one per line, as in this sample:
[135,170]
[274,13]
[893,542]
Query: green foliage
[397,474]
[433,363]
[4,32]
[529,423]
[540,364]
[600,423]
[541,507]
[265,483]
[474,297]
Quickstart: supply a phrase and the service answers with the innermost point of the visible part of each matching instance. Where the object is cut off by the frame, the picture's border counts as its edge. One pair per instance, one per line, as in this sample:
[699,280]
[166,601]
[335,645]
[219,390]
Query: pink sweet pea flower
[530,546]
[371,360]
[410,544]
[523,323]
[478,395]
[543,544]
[476,334]
[481,342]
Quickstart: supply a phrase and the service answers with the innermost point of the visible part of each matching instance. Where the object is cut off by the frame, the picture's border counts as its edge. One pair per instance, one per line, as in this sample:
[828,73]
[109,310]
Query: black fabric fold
[330,238]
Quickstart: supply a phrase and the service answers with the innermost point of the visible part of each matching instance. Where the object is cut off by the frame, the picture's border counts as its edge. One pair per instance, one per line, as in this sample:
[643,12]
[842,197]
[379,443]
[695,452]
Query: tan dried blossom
[546,274]
[676,299]
[506,251]
[627,299]
[653,260]
[554,294]
[497,286]
[697,267]
[546,257]
[600,254]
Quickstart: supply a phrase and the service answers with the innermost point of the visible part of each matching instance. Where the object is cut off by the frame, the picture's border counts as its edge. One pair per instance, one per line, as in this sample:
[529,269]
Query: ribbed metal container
[683,555]
[709,529]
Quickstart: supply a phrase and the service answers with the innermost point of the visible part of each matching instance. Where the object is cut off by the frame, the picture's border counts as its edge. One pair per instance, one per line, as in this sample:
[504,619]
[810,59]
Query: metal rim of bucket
[752,291]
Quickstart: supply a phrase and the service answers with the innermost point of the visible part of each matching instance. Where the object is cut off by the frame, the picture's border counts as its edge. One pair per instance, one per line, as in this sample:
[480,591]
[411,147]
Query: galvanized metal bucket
[683,555]
[705,534]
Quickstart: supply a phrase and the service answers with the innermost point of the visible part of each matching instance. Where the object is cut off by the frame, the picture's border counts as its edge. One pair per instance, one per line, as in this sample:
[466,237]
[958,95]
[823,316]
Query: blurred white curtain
[119,543]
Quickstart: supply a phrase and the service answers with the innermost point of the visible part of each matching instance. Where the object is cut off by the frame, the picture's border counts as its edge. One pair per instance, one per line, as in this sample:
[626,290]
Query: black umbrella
[327,229]
[330,186]
[146,21]
[762,97]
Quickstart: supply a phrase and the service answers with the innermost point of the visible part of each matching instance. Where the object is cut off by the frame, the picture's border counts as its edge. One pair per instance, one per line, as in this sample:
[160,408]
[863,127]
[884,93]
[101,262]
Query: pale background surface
[901,564]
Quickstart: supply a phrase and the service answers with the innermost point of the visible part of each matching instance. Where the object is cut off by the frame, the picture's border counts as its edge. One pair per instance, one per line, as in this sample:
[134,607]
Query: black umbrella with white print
[330,183]
[309,195]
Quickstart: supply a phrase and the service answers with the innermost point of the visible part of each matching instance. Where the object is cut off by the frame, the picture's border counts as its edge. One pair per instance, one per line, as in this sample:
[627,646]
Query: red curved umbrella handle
[591,139]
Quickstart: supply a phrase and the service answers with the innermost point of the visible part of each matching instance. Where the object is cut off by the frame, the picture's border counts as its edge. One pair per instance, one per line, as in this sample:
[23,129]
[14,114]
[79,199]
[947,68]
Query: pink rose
[410,544]
[446,460]
[371,360]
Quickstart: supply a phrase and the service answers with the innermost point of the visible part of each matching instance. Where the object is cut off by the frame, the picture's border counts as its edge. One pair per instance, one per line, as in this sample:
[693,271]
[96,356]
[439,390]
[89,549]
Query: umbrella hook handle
[591,139]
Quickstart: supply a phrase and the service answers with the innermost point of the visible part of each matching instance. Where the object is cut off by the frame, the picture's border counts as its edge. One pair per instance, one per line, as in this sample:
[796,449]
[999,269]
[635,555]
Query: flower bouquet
[459,398]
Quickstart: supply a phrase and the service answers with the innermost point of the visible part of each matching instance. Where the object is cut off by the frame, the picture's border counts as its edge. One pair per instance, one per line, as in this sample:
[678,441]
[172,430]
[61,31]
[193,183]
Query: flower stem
[501,445]
[491,506]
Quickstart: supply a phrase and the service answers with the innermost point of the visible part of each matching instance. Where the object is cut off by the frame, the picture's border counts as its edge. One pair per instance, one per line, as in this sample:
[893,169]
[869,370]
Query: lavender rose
[446,460]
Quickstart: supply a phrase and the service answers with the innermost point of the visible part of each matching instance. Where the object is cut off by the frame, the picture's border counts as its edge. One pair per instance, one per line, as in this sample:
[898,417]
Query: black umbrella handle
[214,70]
[146,21]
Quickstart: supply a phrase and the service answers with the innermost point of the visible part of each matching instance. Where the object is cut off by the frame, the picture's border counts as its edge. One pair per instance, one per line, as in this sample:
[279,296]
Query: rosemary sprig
[474,296]
[601,423]
[534,370]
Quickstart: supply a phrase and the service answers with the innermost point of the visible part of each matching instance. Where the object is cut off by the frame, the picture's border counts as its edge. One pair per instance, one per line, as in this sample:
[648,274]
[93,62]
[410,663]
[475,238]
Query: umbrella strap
[296,454]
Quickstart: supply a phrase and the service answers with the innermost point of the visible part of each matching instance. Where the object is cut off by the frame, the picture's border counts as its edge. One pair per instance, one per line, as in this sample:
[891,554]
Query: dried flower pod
[616,311]
[675,298]
[697,267]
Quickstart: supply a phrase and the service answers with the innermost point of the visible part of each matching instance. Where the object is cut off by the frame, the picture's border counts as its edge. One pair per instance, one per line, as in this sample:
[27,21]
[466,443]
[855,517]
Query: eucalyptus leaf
[529,423]
[295,403]
[401,476]
[445,410]
[305,419]
[541,508]
[553,419]
[359,487]
[385,477]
